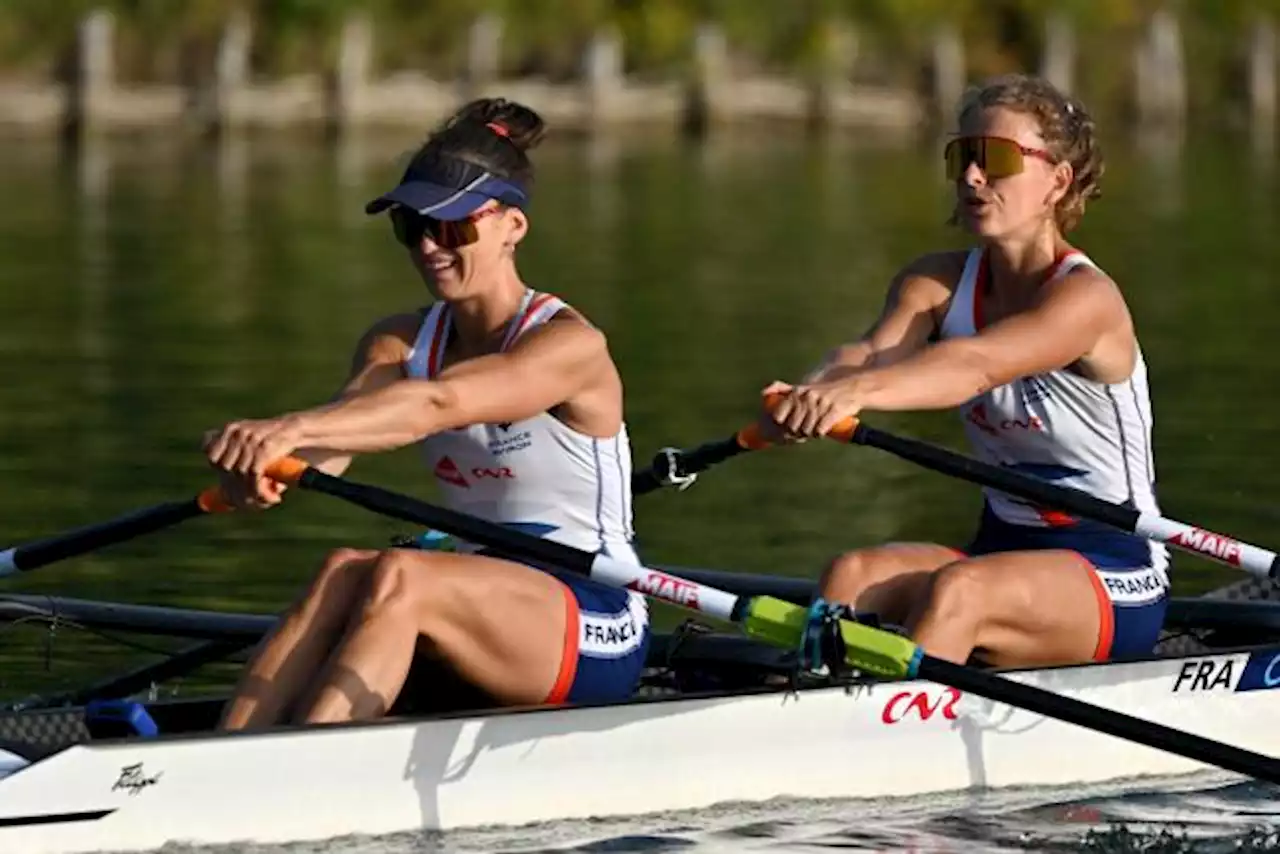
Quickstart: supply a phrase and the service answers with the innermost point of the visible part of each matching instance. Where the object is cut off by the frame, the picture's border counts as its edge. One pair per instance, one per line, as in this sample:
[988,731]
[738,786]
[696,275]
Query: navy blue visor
[448,189]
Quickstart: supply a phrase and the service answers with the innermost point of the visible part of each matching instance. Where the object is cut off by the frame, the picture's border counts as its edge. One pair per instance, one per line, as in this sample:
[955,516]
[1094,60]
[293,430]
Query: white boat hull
[524,766]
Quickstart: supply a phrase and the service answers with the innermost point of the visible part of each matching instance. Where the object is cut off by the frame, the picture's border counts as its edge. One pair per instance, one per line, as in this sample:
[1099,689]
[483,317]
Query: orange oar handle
[211,500]
[286,470]
[751,438]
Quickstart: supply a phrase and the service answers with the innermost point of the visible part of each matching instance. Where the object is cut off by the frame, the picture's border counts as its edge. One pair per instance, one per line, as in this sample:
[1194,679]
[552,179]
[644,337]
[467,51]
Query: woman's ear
[518,226]
[1063,175]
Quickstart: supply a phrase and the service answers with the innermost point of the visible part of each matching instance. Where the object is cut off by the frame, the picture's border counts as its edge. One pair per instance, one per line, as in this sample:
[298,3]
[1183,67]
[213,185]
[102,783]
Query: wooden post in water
[90,245]
[707,88]
[91,77]
[602,76]
[1160,72]
[948,70]
[484,53]
[231,72]
[838,48]
[1262,80]
[348,91]
[1058,64]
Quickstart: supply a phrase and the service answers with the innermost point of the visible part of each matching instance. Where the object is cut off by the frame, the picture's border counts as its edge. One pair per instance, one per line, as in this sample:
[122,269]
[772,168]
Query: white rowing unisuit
[538,475]
[1058,425]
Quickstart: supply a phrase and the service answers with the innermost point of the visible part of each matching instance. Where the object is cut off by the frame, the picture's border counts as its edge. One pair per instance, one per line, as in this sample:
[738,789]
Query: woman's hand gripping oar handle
[212,500]
[752,438]
[288,470]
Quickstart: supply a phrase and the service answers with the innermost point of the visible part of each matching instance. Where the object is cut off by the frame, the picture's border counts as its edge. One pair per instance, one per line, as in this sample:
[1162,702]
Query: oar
[1217,547]
[671,466]
[680,468]
[80,540]
[782,623]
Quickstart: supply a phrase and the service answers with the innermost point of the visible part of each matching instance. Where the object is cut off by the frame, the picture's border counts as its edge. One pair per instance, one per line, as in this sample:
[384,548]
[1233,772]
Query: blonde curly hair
[1069,133]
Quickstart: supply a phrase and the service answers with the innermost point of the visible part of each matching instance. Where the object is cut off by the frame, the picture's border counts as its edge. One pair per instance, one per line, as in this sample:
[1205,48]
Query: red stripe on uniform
[1106,614]
[979,286]
[981,281]
[569,654]
[538,302]
[435,353]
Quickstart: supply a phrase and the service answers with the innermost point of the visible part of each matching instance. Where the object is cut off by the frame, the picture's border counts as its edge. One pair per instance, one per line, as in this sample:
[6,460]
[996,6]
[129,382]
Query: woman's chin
[443,284]
[977,224]
[984,229]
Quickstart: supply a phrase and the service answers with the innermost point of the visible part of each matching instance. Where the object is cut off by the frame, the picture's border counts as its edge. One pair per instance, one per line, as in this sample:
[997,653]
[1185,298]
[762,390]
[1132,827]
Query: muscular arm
[907,319]
[1065,326]
[376,364]
[546,368]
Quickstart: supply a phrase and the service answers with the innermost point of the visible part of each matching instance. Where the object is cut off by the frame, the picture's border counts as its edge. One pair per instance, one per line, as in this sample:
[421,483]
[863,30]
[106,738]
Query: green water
[152,290]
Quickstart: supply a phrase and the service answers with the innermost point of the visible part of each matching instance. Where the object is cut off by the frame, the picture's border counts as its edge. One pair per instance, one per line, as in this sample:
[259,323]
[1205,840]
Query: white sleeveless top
[1057,425]
[537,475]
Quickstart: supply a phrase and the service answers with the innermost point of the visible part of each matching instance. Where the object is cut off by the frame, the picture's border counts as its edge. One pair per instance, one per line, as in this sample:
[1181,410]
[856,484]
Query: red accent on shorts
[1106,614]
[569,655]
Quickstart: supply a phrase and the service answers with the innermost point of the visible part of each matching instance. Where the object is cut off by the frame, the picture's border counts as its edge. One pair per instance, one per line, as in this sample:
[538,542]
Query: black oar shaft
[81,540]
[467,527]
[670,466]
[1216,547]
[1071,710]
[975,471]
[179,664]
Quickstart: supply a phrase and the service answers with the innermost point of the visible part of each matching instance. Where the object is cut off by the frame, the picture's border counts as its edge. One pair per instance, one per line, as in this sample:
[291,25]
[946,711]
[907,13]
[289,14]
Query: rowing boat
[803,704]
[719,719]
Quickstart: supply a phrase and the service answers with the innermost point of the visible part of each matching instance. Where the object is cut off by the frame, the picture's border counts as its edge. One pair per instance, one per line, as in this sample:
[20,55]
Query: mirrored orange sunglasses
[410,227]
[996,156]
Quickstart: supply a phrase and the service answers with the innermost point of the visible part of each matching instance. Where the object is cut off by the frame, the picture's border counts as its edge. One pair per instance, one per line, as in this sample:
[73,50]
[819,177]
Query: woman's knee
[884,576]
[853,573]
[401,580]
[846,573]
[336,583]
[959,591]
[342,567]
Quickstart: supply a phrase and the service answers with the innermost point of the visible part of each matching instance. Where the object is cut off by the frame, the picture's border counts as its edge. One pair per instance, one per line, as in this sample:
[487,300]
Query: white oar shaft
[1228,550]
[1219,547]
[664,586]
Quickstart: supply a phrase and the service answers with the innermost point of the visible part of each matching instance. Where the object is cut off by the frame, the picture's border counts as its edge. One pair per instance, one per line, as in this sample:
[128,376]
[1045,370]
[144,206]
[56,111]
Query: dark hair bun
[521,126]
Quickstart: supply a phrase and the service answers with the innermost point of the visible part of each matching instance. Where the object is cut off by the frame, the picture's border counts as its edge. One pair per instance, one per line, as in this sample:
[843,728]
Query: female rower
[1035,346]
[518,408]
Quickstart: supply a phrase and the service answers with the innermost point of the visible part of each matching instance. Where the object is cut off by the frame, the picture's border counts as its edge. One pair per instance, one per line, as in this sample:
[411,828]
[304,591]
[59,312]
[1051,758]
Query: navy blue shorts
[606,643]
[1133,595]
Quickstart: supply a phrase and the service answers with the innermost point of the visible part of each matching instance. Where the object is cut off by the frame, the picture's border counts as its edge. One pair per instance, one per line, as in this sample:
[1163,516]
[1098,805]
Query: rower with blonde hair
[1034,345]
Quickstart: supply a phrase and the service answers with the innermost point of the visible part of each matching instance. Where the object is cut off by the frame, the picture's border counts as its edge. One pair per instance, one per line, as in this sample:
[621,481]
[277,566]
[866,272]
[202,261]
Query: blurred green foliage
[176,39]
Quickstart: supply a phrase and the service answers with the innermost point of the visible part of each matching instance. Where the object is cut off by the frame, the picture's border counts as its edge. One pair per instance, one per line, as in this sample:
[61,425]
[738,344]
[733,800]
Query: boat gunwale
[481,714]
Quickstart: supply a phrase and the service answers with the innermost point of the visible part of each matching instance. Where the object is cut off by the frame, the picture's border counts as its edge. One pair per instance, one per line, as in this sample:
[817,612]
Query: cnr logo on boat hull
[920,705]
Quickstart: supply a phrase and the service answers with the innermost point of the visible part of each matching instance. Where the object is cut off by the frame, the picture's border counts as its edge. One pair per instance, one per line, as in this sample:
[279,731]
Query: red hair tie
[500,130]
